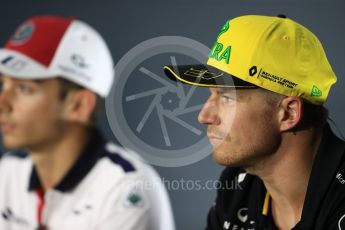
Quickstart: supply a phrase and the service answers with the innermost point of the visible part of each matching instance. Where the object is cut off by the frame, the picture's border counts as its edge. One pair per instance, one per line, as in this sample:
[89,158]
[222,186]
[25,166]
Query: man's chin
[228,161]
[11,143]
[222,159]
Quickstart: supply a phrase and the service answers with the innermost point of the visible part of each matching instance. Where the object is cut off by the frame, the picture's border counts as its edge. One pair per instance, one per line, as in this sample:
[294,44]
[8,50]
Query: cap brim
[20,66]
[205,75]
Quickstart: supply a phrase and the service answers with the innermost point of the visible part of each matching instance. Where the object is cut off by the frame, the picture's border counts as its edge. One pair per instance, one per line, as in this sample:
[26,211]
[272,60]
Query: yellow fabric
[274,53]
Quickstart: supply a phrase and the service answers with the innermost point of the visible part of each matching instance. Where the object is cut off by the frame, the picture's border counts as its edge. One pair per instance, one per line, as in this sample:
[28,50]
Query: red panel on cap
[39,37]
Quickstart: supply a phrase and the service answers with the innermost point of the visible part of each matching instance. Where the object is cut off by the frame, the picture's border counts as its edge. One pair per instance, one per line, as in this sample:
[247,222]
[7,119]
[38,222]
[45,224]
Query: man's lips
[215,140]
[6,126]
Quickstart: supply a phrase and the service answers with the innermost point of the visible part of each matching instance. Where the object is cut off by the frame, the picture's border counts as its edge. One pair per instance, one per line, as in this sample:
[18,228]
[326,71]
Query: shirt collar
[87,159]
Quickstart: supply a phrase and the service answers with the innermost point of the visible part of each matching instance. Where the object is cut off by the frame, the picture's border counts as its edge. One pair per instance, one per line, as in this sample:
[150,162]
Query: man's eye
[225,98]
[23,88]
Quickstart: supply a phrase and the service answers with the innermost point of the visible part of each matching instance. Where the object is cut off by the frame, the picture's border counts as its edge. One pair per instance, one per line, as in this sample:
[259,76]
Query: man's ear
[290,112]
[80,105]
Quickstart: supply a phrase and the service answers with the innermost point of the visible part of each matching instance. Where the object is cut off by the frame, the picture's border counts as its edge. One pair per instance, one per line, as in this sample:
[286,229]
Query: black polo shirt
[247,205]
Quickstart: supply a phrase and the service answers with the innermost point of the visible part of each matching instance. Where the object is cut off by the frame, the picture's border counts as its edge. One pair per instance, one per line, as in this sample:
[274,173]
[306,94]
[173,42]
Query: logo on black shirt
[340,178]
[242,215]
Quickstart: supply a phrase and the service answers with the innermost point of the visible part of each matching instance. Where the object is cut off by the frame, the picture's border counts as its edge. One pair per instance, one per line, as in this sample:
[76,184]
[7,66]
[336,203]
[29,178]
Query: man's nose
[209,113]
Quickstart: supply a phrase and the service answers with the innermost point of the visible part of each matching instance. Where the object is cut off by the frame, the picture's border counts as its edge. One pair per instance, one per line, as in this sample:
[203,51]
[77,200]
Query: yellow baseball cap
[274,53]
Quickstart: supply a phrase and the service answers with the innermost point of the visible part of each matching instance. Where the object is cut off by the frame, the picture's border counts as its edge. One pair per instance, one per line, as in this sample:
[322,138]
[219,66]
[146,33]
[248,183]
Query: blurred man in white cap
[61,173]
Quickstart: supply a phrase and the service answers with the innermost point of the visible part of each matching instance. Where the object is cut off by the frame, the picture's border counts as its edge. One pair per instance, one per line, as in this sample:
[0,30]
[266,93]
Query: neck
[286,175]
[53,160]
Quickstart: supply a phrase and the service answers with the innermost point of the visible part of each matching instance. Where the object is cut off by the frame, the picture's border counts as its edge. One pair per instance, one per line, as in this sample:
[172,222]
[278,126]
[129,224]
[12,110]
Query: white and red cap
[51,46]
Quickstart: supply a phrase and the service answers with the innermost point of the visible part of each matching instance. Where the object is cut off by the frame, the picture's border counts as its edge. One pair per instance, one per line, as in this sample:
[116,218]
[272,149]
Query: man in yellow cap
[268,78]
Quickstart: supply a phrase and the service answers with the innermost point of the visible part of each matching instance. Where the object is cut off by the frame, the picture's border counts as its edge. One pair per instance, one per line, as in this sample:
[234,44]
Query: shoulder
[14,157]
[119,157]
[135,189]
[331,208]
[125,159]
[15,166]
[336,192]
[128,168]
[125,166]
[336,185]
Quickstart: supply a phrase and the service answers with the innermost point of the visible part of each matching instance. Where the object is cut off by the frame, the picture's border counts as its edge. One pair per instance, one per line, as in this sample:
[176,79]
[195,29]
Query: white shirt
[107,188]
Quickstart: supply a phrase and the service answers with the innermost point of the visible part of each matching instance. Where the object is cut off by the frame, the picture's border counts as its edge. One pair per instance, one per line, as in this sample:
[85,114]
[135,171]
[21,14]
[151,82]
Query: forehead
[232,90]
[223,89]
[15,79]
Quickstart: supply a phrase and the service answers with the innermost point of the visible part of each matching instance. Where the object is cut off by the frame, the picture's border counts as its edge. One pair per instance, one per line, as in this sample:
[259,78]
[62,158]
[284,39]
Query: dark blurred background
[125,24]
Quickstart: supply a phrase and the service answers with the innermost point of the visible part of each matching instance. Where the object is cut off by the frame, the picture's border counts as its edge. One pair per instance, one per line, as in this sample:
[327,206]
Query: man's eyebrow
[33,81]
[225,90]
[37,81]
